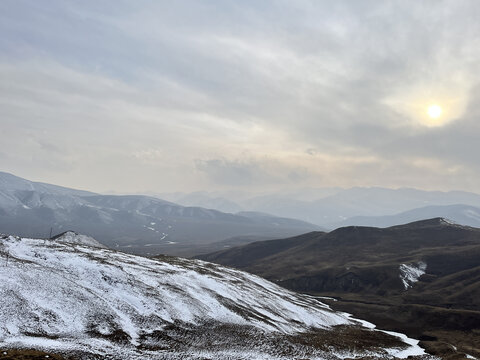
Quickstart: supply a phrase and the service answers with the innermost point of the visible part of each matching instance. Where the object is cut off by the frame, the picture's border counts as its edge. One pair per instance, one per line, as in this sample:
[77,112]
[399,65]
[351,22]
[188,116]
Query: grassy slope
[359,266]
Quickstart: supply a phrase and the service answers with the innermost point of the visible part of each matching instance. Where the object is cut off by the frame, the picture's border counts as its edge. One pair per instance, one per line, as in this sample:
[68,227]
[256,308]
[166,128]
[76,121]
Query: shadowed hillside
[421,277]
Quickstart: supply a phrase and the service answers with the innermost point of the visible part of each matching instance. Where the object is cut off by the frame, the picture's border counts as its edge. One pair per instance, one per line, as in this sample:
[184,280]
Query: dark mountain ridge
[422,278]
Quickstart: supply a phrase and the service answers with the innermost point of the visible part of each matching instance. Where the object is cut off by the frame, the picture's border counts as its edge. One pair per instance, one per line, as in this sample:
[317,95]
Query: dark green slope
[360,267]
[356,258]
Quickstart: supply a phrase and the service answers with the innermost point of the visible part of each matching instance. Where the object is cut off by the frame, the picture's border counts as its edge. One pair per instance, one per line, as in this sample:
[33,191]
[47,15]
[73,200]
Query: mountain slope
[205,200]
[459,213]
[420,278]
[359,247]
[329,207]
[330,210]
[88,302]
[138,224]
[10,183]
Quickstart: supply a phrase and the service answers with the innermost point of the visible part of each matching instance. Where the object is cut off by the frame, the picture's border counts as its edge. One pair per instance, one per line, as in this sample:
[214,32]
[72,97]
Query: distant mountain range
[421,278]
[461,214]
[334,207]
[135,223]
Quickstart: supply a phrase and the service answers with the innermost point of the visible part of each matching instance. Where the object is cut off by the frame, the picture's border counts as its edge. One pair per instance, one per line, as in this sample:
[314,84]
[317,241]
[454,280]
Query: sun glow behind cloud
[434,111]
[432,106]
[156,91]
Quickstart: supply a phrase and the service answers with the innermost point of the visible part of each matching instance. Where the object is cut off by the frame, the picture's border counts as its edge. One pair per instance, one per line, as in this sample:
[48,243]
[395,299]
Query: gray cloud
[246,87]
[255,173]
[229,172]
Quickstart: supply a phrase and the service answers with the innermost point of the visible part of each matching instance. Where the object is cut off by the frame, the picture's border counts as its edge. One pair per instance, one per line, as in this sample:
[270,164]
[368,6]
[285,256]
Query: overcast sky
[134,96]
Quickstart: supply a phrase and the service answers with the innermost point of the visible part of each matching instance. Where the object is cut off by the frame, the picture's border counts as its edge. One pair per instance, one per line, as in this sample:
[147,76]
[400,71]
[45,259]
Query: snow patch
[412,350]
[410,273]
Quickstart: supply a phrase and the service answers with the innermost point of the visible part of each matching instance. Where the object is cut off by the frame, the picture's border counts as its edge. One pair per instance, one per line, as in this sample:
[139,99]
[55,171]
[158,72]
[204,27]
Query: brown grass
[28,354]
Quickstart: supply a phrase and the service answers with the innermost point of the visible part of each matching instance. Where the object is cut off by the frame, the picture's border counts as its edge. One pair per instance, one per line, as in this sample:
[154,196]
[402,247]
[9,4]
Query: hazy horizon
[299,193]
[240,96]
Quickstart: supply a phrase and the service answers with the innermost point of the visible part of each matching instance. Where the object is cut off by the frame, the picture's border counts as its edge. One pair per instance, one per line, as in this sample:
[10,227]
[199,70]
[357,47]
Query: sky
[162,96]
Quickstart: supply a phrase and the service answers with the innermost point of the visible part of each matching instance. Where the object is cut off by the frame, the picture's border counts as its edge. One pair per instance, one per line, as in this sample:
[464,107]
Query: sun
[434,111]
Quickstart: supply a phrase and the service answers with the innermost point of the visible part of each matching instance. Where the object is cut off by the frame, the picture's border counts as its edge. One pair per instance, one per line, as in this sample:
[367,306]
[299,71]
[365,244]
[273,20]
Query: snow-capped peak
[71,237]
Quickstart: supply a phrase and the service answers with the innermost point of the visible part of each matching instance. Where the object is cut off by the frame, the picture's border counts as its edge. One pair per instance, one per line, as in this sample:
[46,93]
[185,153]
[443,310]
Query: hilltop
[422,278]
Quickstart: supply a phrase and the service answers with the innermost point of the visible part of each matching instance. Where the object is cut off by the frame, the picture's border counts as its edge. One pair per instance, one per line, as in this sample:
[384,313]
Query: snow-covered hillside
[66,297]
[134,223]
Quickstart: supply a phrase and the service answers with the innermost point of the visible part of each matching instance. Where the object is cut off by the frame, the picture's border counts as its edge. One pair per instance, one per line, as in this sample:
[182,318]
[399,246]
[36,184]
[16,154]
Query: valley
[420,278]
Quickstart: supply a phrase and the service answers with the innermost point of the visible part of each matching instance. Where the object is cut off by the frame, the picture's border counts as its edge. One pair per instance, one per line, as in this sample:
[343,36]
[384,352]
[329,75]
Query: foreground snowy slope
[71,298]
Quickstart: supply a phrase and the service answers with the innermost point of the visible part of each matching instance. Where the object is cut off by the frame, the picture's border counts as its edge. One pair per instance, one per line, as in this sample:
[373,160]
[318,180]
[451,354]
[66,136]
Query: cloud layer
[191,95]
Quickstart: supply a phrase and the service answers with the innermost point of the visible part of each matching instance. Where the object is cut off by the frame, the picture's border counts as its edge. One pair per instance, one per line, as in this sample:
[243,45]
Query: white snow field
[67,297]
